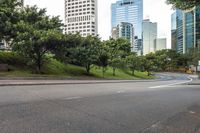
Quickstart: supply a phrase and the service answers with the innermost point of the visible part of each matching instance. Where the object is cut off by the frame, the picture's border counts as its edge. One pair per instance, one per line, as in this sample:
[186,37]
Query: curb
[74,83]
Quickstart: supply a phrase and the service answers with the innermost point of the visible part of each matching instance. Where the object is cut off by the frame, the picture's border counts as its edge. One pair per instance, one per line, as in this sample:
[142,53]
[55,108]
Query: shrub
[12,59]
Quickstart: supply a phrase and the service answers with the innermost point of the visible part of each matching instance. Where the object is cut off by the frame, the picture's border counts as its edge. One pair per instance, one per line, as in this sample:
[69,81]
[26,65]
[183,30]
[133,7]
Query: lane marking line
[192,112]
[120,92]
[169,85]
[72,98]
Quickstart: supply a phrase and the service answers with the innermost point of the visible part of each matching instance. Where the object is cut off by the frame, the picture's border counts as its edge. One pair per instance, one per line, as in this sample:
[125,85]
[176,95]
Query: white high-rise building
[149,36]
[161,44]
[21,1]
[81,17]
[124,30]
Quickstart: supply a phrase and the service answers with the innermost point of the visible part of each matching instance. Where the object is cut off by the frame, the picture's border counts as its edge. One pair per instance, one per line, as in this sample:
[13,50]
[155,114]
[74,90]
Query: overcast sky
[156,10]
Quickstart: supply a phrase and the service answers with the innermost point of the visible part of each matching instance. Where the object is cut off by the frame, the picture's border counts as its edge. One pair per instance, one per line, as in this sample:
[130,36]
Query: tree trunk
[114,71]
[103,71]
[39,64]
[148,73]
[88,68]
[133,72]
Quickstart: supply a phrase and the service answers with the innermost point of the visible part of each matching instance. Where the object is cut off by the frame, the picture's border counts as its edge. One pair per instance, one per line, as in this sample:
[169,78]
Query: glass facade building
[186,29]
[173,31]
[149,36]
[177,31]
[124,30]
[191,29]
[130,11]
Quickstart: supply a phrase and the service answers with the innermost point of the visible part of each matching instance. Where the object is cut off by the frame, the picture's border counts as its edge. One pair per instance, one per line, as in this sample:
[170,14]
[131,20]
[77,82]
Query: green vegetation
[120,74]
[184,4]
[54,68]
[39,48]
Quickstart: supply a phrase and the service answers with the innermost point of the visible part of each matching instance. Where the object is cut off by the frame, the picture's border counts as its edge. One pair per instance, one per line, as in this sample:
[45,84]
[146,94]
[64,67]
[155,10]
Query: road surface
[160,106]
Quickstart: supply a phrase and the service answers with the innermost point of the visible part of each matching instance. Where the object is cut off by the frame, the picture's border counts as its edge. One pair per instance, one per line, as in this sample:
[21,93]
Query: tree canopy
[184,4]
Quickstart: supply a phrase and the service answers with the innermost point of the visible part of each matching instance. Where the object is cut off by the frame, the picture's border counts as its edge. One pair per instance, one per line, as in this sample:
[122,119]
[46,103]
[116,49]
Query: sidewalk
[26,82]
[195,81]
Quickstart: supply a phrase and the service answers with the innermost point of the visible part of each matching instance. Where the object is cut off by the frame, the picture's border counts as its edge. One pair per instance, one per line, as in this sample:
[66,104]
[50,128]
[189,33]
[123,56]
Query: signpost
[198,68]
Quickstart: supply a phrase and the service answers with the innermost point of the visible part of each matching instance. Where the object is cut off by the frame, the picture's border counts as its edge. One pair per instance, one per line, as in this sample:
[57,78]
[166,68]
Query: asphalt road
[161,106]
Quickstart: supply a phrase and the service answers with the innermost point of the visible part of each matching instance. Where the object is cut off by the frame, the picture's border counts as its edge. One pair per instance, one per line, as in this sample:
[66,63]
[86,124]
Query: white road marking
[72,98]
[169,85]
[192,112]
[155,125]
[120,92]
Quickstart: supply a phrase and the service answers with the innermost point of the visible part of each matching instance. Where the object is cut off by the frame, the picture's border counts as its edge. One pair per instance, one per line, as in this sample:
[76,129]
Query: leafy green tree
[183,60]
[66,50]
[147,63]
[166,60]
[194,55]
[9,16]
[133,63]
[37,34]
[86,53]
[183,4]
[118,50]
[103,57]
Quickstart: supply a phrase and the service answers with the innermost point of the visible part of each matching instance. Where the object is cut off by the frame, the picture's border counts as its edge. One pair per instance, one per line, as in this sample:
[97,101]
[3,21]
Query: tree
[166,59]
[103,57]
[133,63]
[66,50]
[194,55]
[184,4]
[37,34]
[9,16]
[147,63]
[86,53]
[118,50]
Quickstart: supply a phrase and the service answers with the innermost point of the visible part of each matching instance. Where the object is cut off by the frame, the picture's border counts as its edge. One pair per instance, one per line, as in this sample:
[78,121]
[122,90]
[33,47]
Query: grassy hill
[55,68]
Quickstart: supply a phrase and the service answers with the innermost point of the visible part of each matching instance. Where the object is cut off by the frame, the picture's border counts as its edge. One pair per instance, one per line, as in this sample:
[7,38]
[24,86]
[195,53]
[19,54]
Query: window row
[81,18]
[81,13]
[80,27]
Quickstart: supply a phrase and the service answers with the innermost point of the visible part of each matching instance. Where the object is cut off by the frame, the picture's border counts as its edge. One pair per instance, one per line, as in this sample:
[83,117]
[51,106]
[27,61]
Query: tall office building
[186,34]
[130,11]
[149,36]
[191,27]
[173,31]
[124,30]
[81,17]
[161,43]
[22,1]
[177,31]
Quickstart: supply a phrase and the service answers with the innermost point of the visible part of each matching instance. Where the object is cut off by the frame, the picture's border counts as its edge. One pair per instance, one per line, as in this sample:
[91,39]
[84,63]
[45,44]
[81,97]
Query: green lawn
[56,69]
[119,74]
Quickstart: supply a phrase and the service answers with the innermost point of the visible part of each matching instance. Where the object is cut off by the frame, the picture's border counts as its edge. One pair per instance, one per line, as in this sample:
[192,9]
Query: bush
[12,59]
[52,66]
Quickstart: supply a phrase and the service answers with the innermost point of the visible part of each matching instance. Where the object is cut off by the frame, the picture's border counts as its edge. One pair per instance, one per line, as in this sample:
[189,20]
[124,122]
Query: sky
[156,10]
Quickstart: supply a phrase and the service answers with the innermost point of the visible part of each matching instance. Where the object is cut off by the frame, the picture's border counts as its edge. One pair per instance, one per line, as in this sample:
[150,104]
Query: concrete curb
[73,83]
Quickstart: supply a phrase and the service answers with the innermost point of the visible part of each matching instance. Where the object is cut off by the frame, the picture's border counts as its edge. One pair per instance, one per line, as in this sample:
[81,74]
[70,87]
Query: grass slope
[55,68]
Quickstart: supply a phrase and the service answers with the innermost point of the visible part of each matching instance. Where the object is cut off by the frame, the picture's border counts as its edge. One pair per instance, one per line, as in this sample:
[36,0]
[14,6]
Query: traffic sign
[198,68]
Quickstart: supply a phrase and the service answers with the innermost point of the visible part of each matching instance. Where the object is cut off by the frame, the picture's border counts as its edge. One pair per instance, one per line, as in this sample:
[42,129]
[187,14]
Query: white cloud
[157,11]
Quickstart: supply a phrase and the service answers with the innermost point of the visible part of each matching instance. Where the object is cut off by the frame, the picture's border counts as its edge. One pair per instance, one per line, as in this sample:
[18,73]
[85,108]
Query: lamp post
[198,69]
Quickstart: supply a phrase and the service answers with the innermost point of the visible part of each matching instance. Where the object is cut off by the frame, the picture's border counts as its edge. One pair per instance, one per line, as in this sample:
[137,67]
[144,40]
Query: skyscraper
[124,30]
[130,11]
[149,36]
[186,34]
[191,34]
[177,31]
[161,43]
[81,17]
